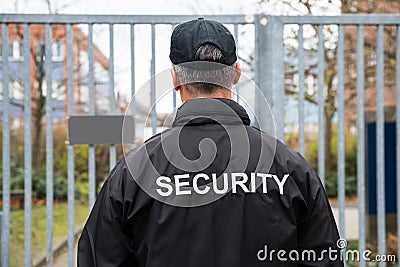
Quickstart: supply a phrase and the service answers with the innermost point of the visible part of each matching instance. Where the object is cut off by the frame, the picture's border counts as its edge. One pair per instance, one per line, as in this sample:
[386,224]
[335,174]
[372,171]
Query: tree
[310,7]
[38,96]
[370,57]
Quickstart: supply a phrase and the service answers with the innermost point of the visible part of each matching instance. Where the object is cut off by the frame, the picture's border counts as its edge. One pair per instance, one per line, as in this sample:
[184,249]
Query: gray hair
[206,81]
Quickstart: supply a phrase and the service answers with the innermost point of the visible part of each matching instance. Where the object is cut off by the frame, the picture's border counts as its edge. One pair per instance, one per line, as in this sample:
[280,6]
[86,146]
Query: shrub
[60,167]
[331,173]
[391,249]
[331,182]
[81,190]
[17,179]
[60,188]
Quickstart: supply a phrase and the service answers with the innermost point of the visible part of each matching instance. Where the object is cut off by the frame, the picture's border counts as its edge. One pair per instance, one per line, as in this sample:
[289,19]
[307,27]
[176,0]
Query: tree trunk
[328,139]
[37,154]
[38,114]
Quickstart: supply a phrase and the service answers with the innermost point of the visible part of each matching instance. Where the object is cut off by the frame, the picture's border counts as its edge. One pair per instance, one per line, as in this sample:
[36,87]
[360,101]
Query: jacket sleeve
[103,241]
[317,230]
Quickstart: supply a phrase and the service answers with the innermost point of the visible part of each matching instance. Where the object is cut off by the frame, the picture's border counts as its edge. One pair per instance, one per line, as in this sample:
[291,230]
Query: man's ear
[238,72]
[175,80]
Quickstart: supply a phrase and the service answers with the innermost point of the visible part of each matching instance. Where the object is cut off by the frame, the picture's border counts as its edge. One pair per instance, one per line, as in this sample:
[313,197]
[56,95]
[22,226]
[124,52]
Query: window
[16,90]
[15,50]
[57,51]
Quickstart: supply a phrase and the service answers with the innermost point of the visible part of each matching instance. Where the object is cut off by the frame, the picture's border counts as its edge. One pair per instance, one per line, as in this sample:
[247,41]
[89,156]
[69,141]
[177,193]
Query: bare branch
[49,9]
[295,94]
[64,6]
[16,6]
[246,61]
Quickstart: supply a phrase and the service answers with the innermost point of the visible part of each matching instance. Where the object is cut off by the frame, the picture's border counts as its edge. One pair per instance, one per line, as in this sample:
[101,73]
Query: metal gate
[271,73]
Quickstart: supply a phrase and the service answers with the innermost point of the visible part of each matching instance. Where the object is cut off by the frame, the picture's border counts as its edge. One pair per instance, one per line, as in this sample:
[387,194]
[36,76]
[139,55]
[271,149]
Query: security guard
[212,190]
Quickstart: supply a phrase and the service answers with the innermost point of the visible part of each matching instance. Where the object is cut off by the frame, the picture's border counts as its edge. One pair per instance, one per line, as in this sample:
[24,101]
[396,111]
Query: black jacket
[164,204]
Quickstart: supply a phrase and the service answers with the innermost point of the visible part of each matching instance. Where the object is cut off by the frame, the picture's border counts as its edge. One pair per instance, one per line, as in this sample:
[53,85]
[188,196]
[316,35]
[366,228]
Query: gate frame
[269,76]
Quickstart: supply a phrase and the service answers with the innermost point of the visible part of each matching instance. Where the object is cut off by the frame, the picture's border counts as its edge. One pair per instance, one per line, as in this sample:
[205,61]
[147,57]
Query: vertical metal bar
[71,180]
[278,73]
[92,95]
[398,134]
[380,145]
[174,99]
[5,229]
[173,90]
[321,104]
[236,35]
[340,133]
[269,58]
[49,149]
[133,98]
[27,148]
[1,227]
[301,90]
[360,143]
[153,81]
[263,65]
[111,92]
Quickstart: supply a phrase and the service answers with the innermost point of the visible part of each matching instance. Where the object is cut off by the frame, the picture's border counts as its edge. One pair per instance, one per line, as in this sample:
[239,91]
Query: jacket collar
[210,110]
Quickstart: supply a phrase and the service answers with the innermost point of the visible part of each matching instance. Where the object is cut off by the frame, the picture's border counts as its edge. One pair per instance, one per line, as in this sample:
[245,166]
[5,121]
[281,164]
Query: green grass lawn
[60,224]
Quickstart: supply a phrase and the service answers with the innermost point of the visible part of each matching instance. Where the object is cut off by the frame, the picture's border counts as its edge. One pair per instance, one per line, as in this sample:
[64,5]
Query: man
[213,190]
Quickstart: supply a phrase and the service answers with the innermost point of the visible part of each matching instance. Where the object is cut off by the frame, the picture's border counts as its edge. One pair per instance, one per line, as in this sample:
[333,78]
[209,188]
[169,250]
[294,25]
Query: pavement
[350,219]
[351,230]
[62,259]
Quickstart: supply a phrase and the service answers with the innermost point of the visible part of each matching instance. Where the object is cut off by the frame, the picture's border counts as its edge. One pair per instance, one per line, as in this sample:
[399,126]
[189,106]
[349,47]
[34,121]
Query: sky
[161,7]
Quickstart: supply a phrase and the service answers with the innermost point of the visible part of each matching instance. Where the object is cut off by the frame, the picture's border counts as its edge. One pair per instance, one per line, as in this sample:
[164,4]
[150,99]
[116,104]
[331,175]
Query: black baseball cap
[189,36]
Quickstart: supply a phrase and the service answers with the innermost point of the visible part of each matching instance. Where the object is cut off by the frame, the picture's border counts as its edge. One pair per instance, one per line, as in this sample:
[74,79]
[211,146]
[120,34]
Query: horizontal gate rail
[119,19]
[346,19]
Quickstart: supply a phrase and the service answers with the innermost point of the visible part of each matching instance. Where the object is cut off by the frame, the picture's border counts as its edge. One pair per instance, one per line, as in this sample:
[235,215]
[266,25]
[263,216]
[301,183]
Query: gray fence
[270,73]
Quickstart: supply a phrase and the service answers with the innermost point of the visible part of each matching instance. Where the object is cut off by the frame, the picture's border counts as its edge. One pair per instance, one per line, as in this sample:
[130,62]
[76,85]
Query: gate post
[1,232]
[269,70]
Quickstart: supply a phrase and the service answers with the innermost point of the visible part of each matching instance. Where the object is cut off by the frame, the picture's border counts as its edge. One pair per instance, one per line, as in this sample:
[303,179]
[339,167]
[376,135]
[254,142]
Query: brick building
[370,60]
[59,70]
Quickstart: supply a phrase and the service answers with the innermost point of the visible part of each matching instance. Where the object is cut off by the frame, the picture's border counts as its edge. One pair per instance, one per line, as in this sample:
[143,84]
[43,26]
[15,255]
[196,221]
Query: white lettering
[241,183]
[196,186]
[281,255]
[262,254]
[281,183]
[252,182]
[178,184]
[264,177]
[165,185]
[219,185]
[215,184]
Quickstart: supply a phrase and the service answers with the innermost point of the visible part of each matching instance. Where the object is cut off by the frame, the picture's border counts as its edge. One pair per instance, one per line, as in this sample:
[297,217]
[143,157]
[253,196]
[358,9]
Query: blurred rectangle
[105,129]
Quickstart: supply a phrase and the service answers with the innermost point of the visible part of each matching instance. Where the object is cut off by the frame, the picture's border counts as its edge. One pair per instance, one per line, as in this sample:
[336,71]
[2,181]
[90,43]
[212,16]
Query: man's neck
[227,94]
